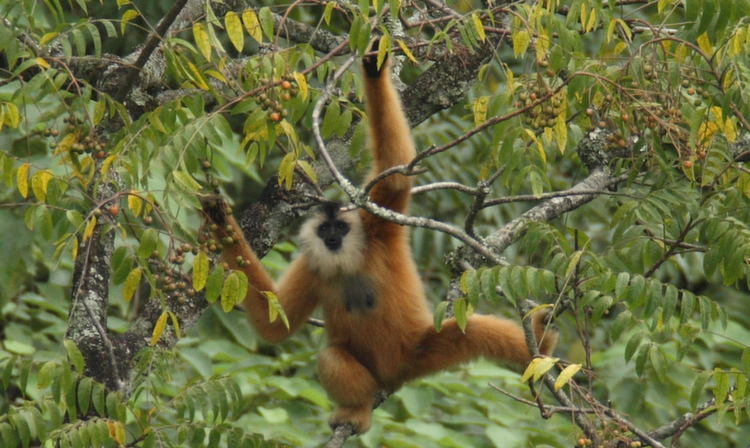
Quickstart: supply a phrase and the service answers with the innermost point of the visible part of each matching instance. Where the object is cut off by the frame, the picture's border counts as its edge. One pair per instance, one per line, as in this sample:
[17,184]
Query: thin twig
[151,44]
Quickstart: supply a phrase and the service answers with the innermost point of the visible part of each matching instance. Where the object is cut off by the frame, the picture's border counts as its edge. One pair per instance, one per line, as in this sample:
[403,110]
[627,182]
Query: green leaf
[214,284]
[633,343]
[46,373]
[74,355]
[149,242]
[186,181]
[84,394]
[200,271]
[721,389]
[659,363]
[266,22]
[275,310]
[460,313]
[439,314]
[641,358]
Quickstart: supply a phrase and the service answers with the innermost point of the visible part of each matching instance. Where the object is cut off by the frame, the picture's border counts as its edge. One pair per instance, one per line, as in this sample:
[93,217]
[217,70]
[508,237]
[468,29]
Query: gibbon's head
[333,241]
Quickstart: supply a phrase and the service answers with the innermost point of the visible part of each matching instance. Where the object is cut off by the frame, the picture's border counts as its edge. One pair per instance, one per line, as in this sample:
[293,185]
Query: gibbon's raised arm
[298,297]
[390,136]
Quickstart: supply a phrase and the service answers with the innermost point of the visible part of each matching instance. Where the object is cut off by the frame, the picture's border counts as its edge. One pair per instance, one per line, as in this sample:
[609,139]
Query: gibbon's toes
[370,62]
[359,418]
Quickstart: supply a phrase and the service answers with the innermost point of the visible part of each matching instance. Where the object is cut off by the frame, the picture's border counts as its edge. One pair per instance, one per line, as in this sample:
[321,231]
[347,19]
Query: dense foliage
[588,155]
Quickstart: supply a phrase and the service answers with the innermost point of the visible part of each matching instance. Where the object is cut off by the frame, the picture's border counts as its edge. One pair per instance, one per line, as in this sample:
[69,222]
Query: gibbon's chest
[352,295]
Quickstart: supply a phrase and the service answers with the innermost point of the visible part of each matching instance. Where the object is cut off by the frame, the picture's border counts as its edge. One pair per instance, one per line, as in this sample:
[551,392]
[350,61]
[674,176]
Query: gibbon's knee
[350,385]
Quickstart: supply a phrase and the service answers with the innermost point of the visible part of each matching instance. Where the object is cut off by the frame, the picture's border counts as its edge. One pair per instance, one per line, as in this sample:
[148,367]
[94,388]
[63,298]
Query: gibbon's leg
[350,385]
[489,336]
[296,290]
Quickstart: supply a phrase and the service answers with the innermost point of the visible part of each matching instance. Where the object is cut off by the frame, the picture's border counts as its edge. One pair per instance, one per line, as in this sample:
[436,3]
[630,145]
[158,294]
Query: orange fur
[395,341]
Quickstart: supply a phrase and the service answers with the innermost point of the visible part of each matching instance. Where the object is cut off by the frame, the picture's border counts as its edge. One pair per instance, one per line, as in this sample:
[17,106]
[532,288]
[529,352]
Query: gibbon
[359,267]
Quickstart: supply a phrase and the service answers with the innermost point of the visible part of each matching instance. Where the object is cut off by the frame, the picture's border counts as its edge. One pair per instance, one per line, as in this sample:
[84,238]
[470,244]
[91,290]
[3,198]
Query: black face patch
[332,232]
[359,294]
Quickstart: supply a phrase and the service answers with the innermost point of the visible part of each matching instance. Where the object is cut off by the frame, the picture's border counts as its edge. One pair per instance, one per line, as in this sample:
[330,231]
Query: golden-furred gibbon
[360,269]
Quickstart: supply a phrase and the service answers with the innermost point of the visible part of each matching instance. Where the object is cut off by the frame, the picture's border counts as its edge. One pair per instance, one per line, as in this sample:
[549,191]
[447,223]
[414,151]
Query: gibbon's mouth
[333,244]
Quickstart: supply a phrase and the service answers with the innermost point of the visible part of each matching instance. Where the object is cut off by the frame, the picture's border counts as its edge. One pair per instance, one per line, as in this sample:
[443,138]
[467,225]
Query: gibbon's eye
[342,226]
[324,227]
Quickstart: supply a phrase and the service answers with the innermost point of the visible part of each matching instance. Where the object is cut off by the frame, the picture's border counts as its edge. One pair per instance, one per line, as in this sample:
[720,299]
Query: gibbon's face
[333,241]
[332,232]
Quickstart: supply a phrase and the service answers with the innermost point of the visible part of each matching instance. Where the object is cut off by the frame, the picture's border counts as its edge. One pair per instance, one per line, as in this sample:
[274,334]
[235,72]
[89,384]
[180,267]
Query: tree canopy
[585,156]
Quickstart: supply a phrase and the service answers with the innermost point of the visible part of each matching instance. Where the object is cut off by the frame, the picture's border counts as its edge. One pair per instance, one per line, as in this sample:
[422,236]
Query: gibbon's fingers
[489,336]
[350,385]
[215,208]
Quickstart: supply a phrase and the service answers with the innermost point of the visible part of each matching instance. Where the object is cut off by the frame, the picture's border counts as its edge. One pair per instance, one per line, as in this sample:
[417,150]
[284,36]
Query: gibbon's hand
[370,62]
[215,208]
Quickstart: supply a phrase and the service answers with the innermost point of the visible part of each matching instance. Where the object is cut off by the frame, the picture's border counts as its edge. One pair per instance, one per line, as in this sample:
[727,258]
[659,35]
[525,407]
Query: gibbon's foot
[370,62]
[359,418]
[545,332]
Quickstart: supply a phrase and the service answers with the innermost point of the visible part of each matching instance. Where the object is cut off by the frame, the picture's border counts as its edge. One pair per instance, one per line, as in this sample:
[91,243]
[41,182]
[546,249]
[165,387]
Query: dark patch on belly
[359,293]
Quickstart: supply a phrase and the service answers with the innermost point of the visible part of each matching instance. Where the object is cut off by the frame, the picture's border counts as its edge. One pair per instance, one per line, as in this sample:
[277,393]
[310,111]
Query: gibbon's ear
[370,62]
[215,208]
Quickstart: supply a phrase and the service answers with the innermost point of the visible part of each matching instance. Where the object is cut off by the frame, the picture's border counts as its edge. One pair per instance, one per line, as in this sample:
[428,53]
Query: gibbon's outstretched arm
[298,297]
[390,138]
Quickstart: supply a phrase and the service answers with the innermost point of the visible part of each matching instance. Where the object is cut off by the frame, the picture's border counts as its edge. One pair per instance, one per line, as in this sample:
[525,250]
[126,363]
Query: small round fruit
[687,164]
[286,85]
[114,210]
[275,117]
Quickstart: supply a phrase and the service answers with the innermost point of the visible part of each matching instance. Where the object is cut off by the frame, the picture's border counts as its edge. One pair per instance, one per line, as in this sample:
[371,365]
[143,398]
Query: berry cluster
[270,101]
[542,115]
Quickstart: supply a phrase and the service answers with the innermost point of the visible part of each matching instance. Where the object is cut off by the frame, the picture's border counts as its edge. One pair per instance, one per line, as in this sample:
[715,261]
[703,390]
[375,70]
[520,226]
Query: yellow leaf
[197,77]
[89,230]
[538,143]
[384,46]
[730,130]
[39,182]
[584,15]
[275,310]
[592,21]
[328,11]
[252,24]
[521,41]
[159,328]
[542,45]
[302,84]
[107,164]
[406,50]
[706,131]
[66,143]
[200,35]
[681,53]
[46,38]
[131,284]
[13,116]
[566,375]
[479,27]
[42,62]
[200,271]
[561,132]
[547,135]
[22,179]
[135,203]
[127,16]
[480,109]
[74,249]
[123,2]
[625,28]
[661,5]
[234,30]
[704,42]
[217,75]
[530,369]
[737,42]
[611,30]
[120,433]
